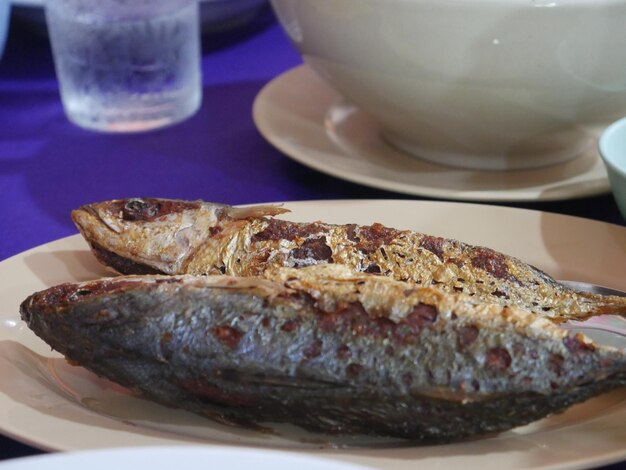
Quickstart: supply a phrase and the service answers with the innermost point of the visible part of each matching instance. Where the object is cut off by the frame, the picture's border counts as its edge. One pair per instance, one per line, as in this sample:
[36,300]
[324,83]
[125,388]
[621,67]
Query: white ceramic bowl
[489,84]
[612,147]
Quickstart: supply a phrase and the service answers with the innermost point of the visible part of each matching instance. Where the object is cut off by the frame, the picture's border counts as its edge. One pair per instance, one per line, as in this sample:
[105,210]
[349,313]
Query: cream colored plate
[50,404]
[307,120]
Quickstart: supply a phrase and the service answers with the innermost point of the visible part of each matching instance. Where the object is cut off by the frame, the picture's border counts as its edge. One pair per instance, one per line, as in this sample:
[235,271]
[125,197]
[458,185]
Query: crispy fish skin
[325,349]
[150,236]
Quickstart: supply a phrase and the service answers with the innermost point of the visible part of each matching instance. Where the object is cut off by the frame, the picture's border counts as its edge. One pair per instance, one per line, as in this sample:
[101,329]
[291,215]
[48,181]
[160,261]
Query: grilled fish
[149,236]
[325,349]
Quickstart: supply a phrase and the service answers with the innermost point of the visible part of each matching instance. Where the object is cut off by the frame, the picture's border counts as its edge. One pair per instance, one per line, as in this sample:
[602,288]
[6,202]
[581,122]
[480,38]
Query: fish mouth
[81,218]
[87,218]
[90,209]
[120,264]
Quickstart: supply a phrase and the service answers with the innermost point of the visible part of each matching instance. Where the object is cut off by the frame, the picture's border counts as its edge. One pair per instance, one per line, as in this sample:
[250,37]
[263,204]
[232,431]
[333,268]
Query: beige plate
[308,121]
[52,405]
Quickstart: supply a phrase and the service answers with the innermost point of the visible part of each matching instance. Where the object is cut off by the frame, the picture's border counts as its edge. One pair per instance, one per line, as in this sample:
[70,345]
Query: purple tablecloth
[48,166]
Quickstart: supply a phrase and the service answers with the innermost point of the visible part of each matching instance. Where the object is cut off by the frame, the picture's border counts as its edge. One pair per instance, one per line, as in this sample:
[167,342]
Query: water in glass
[126,65]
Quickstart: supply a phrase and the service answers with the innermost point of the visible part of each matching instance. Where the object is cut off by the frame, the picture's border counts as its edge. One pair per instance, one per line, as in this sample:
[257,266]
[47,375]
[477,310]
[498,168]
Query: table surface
[48,166]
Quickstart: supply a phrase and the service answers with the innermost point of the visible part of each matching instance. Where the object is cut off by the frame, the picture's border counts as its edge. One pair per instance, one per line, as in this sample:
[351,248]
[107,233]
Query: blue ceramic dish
[5,12]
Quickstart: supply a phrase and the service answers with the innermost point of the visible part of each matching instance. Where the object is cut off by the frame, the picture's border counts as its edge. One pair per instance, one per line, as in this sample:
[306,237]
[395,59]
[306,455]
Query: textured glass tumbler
[126,65]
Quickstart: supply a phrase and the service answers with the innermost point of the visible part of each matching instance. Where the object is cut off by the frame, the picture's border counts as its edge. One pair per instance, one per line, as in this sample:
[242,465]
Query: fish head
[156,234]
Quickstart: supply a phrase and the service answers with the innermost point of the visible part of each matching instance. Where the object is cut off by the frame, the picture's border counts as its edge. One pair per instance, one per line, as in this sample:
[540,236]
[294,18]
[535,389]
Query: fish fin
[227,417]
[286,381]
[251,212]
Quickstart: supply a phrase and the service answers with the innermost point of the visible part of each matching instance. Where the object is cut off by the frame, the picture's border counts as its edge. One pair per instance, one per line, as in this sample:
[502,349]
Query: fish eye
[139,209]
[80,293]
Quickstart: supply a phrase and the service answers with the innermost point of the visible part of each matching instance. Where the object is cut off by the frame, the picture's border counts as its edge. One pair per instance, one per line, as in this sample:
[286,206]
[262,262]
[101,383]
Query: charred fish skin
[324,349]
[145,236]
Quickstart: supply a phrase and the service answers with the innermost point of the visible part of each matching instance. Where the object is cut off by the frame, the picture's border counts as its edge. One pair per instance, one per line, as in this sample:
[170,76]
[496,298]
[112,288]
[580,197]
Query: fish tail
[604,304]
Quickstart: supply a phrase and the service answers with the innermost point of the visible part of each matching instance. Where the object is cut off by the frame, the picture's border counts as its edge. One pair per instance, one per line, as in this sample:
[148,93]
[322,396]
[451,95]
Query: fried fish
[326,349]
[149,236]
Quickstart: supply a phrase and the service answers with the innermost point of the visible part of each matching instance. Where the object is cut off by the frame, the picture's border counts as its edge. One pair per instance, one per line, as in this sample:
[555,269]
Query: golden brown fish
[326,349]
[143,236]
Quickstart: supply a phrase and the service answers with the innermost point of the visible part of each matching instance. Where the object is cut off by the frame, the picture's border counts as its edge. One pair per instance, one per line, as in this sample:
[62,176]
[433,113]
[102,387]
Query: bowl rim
[604,143]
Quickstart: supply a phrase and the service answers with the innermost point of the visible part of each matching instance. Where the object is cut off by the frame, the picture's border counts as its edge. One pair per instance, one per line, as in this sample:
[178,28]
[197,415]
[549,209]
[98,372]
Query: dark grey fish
[326,349]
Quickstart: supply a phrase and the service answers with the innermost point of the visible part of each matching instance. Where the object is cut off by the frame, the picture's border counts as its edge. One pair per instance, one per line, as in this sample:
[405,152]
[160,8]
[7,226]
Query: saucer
[307,120]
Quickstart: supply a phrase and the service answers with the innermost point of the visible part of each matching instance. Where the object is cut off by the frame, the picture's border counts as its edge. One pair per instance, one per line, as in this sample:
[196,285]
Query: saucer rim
[592,182]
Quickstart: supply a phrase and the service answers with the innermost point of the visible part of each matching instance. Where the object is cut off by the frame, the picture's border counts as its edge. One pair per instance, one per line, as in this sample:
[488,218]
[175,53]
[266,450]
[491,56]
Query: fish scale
[149,235]
[327,349]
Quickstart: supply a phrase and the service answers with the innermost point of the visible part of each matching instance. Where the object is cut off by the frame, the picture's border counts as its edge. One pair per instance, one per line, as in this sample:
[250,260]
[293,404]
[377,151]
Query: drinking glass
[126,65]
